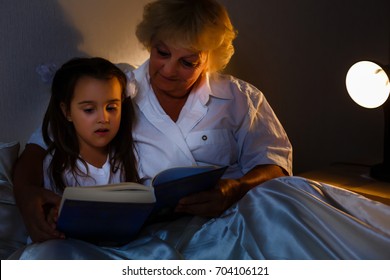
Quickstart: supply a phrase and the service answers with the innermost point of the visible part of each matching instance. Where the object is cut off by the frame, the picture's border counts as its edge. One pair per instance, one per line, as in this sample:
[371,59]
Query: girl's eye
[88,110]
[112,108]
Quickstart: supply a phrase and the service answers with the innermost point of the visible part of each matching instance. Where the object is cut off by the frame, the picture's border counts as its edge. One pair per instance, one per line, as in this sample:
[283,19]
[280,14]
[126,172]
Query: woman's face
[174,70]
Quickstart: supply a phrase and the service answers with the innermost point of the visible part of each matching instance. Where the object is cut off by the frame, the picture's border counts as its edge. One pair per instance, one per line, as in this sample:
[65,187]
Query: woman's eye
[162,53]
[189,64]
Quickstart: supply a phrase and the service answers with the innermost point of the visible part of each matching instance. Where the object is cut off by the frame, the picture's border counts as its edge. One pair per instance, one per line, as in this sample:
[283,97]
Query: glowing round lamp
[368,85]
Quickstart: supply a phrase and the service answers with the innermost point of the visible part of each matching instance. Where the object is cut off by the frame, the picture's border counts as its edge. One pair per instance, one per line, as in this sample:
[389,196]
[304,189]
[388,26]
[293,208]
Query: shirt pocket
[216,147]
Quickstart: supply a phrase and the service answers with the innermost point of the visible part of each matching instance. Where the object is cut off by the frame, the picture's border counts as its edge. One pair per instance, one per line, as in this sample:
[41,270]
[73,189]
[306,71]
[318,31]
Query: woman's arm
[212,203]
[30,195]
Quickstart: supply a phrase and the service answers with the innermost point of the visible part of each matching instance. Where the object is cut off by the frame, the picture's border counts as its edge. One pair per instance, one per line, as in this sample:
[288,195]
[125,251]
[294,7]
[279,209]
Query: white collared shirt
[225,121]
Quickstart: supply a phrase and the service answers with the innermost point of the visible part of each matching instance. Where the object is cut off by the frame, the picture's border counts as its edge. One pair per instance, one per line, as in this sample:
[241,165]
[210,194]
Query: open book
[112,215]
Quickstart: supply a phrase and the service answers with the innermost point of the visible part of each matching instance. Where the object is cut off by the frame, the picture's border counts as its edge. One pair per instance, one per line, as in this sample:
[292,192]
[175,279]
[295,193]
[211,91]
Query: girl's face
[173,71]
[95,111]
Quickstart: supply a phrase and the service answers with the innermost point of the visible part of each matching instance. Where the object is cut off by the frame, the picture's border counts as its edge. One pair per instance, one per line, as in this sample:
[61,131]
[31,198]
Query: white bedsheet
[285,218]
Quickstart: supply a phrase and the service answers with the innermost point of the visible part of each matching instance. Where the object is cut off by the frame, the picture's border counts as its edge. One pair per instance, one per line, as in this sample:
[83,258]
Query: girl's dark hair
[59,134]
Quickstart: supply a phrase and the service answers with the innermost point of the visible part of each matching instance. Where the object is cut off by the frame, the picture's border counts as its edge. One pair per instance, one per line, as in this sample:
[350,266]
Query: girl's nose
[103,117]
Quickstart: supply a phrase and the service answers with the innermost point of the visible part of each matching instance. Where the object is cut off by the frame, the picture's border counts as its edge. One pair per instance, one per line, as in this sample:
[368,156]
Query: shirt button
[204,137]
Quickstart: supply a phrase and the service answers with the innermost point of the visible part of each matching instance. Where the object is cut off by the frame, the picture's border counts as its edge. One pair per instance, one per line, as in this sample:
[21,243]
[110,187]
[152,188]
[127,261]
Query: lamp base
[381,172]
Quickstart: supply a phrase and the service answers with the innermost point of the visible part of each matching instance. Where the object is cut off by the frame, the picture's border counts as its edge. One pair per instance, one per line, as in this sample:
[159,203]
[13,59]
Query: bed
[285,218]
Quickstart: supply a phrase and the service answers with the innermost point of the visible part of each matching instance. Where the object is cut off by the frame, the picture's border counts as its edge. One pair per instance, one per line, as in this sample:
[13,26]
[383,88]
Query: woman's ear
[65,111]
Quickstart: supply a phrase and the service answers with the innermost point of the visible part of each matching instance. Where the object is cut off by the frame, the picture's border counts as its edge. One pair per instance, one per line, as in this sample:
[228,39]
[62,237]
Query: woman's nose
[169,68]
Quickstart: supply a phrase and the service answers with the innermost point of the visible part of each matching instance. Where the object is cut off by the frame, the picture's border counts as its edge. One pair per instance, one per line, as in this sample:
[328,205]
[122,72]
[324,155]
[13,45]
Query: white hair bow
[131,85]
[48,70]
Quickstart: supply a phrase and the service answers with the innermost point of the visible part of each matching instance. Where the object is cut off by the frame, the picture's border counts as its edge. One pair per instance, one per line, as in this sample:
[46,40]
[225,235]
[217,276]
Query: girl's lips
[102,131]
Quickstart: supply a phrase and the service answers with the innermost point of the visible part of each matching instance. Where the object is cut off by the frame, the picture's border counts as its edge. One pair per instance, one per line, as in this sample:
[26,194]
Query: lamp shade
[368,84]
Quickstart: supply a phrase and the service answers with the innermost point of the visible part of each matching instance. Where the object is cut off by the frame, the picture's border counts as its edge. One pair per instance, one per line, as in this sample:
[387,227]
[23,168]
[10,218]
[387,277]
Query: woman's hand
[39,214]
[51,215]
[213,202]
[31,197]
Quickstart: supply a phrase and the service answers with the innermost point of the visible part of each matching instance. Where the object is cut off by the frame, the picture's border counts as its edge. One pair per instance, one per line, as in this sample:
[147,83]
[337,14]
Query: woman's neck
[171,105]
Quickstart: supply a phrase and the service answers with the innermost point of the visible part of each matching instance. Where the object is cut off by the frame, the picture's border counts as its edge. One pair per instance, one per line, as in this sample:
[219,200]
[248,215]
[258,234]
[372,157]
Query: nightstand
[353,177]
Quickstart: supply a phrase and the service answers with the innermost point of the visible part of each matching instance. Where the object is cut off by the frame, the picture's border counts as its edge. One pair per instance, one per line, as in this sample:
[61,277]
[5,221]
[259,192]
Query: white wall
[296,52]
[41,31]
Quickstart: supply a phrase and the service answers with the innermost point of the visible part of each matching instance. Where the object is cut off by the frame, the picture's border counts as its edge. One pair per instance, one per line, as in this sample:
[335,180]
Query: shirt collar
[212,85]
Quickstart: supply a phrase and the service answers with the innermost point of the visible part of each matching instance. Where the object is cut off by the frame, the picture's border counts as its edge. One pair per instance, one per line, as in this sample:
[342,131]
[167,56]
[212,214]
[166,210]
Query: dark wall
[298,53]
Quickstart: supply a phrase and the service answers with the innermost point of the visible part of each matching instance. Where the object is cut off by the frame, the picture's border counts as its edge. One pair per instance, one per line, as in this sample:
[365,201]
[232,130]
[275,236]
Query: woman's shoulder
[225,84]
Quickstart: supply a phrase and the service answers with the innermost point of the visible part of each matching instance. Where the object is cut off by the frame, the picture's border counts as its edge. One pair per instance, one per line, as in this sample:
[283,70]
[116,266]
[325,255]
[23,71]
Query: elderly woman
[188,114]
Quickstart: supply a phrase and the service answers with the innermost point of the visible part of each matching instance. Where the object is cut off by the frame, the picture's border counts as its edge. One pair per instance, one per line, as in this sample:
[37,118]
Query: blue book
[113,215]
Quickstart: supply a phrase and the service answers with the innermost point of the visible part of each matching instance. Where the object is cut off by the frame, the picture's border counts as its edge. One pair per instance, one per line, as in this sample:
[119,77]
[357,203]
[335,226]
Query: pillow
[8,154]
[13,234]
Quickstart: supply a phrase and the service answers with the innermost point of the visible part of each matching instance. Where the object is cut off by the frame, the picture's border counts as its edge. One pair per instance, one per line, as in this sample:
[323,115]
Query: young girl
[88,127]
